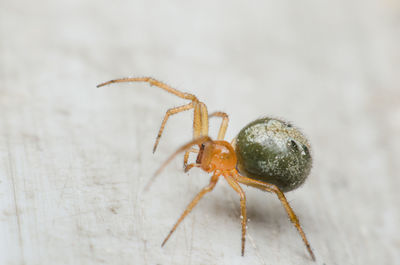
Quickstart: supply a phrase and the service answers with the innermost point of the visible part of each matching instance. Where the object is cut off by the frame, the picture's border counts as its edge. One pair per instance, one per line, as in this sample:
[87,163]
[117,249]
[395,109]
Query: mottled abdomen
[273,151]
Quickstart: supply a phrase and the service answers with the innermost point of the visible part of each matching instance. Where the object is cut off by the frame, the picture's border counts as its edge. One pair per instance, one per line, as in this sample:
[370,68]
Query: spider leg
[224,123]
[192,204]
[197,121]
[234,184]
[185,147]
[153,82]
[204,119]
[170,112]
[200,128]
[272,188]
[200,115]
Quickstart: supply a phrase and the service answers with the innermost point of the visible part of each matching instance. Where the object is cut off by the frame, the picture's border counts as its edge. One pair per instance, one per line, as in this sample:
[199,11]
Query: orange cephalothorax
[217,155]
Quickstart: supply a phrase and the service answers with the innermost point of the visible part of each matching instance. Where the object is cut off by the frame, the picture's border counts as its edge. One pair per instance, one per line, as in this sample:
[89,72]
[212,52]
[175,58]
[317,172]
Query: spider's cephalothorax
[268,154]
[215,155]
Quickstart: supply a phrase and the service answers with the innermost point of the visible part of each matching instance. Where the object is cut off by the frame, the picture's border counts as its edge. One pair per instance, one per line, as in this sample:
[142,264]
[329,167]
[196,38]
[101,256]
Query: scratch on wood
[143,221]
[191,239]
[17,213]
[140,199]
[253,243]
[63,189]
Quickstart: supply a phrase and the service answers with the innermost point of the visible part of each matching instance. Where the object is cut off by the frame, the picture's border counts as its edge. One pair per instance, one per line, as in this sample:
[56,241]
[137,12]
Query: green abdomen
[273,151]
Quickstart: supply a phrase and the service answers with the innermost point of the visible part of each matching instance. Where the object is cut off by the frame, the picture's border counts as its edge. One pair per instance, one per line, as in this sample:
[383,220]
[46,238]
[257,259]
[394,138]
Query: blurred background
[74,159]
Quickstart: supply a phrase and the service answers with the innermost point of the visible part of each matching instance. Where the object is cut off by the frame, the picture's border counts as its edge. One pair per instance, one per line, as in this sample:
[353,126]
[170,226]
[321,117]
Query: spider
[268,154]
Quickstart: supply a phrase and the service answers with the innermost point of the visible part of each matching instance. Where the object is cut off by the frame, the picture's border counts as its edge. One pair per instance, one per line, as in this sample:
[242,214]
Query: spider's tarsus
[102,84]
[313,256]
[107,83]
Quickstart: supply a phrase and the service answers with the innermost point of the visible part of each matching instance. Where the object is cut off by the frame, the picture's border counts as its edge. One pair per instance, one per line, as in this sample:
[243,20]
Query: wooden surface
[74,159]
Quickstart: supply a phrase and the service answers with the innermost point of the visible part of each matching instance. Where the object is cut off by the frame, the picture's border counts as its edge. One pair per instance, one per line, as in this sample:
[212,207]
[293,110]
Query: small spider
[268,154]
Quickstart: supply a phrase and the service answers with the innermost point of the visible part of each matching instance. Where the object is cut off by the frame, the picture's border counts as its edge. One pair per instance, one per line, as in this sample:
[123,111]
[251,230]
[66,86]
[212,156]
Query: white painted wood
[74,158]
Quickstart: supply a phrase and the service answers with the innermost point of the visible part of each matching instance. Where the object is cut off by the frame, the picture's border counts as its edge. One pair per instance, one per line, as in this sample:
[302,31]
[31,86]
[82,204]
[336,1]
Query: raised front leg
[200,114]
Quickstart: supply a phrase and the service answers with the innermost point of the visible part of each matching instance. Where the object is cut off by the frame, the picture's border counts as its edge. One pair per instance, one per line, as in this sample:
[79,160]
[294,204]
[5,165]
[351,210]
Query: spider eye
[202,146]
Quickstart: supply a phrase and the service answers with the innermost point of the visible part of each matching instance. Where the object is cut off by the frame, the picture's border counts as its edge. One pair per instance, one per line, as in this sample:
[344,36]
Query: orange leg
[197,121]
[170,112]
[153,82]
[243,216]
[224,124]
[192,204]
[204,119]
[200,115]
[272,188]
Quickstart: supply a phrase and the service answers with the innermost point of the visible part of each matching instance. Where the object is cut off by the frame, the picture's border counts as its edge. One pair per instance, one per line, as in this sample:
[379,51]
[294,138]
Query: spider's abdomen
[272,151]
